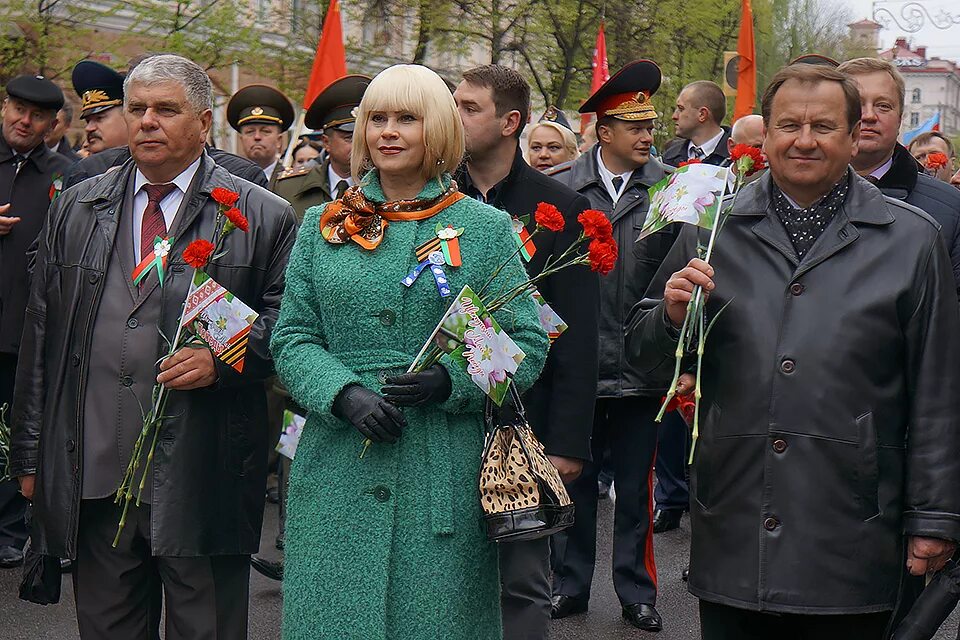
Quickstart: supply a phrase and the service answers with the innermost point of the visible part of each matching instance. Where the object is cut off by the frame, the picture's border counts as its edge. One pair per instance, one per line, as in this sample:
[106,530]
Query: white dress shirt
[881,171]
[607,176]
[334,179]
[168,206]
[707,147]
[268,171]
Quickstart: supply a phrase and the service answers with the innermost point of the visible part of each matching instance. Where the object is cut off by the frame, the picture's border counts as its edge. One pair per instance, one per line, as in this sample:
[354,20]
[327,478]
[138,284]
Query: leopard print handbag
[521,493]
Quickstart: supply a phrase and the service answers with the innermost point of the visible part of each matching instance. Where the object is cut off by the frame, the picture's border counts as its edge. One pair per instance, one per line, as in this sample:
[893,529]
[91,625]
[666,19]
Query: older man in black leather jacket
[91,343]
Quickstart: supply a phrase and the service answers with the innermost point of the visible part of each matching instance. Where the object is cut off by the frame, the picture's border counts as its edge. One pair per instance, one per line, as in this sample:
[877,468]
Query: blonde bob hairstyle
[420,91]
[569,139]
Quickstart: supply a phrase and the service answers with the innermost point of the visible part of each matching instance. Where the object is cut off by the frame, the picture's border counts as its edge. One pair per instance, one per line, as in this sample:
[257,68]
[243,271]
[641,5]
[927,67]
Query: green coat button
[387,317]
[381,493]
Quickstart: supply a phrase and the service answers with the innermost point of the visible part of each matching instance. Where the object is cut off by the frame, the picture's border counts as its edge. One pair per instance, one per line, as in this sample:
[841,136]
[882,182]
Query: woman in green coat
[390,546]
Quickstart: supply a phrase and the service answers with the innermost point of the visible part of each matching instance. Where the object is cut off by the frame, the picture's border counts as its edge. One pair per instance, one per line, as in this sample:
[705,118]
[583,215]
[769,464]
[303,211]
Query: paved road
[23,621]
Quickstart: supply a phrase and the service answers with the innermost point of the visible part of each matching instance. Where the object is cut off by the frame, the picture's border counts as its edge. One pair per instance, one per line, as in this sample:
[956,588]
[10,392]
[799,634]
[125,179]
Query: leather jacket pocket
[867,480]
[235,444]
[702,470]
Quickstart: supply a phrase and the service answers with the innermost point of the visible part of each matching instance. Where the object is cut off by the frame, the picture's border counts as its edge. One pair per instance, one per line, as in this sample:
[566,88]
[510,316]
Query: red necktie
[153,224]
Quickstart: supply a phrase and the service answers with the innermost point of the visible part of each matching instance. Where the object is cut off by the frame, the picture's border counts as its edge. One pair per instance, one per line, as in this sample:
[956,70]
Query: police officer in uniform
[30,177]
[333,113]
[260,114]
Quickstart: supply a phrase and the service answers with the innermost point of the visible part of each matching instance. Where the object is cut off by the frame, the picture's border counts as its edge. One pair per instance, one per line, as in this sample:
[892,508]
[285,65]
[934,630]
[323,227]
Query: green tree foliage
[38,36]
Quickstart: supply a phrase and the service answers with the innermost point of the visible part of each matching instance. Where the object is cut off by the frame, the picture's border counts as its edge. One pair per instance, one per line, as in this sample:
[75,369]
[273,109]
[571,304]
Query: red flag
[746,68]
[601,72]
[330,62]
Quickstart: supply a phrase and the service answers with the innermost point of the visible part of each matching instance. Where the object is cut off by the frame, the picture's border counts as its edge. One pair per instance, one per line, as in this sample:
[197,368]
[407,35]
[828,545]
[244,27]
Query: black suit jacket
[560,405]
[676,152]
[98,164]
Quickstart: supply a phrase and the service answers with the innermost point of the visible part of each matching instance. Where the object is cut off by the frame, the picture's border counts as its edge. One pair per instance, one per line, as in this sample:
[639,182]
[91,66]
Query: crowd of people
[822,489]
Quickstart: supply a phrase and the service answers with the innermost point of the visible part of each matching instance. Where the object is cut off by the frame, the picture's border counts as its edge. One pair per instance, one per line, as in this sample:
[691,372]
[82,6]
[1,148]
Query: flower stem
[696,389]
[672,391]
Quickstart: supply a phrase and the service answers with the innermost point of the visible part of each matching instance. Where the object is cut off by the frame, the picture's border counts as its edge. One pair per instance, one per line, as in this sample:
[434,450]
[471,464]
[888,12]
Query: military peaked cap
[626,95]
[99,87]
[335,107]
[259,104]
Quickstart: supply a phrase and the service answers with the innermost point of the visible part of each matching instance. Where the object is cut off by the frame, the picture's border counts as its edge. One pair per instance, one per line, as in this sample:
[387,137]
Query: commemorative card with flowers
[211,318]
[470,334]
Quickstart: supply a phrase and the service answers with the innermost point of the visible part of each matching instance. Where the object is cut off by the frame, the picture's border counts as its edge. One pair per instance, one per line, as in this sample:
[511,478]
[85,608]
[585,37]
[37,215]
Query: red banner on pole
[330,62]
[601,72]
[746,67]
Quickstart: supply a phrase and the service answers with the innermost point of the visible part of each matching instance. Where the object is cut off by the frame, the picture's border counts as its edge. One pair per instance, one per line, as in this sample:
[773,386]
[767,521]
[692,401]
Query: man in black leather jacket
[887,163]
[826,466]
[91,343]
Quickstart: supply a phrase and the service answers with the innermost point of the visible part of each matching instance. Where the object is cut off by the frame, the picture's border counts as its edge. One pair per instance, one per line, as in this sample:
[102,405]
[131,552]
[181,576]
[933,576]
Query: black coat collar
[902,174]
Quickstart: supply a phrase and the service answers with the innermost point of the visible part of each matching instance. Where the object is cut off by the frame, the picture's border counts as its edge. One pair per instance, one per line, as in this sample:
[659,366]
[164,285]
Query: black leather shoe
[66,565]
[666,520]
[685,574]
[10,557]
[563,606]
[643,616]
[268,568]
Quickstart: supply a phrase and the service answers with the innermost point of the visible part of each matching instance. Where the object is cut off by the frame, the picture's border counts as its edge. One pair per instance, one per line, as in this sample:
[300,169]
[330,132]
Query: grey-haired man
[91,342]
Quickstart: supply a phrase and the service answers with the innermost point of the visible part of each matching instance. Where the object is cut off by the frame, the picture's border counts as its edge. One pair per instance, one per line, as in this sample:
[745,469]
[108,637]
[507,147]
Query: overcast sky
[942,43]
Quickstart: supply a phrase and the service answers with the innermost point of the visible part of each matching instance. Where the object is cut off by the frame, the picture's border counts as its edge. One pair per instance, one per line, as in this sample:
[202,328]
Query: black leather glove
[370,413]
[430,386]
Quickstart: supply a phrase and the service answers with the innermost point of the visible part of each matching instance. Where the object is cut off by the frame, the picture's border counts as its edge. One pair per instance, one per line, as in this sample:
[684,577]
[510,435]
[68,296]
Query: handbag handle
[492,413]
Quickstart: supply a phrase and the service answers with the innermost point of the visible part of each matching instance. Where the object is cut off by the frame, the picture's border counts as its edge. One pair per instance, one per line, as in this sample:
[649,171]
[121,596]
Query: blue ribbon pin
[435,261]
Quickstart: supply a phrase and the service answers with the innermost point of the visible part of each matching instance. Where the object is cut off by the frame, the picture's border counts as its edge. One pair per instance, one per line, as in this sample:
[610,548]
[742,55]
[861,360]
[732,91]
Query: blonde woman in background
[551,143]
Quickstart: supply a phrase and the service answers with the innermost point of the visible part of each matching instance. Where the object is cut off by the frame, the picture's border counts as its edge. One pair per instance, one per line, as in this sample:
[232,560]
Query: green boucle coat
[390,547]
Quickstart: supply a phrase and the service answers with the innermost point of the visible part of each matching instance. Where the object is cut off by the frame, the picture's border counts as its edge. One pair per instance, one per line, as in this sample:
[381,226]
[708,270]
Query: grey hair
[67,108]
[170,68]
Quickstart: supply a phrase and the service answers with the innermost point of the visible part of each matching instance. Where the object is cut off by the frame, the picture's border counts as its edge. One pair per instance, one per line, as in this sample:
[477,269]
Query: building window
[914,119]
[916,96]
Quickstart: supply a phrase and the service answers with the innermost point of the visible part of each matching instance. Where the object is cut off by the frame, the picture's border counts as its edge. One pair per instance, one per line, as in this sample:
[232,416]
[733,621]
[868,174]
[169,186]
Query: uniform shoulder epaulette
[295,171]
[559,168]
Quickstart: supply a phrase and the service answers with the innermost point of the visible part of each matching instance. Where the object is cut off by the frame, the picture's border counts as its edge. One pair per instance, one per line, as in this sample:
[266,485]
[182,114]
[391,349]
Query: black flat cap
[334,107]
[259,104]
[36,90]
[626,95]
[99,87]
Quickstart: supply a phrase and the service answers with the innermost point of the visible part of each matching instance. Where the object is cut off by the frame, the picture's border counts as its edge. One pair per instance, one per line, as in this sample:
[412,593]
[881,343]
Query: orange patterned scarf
[356,218]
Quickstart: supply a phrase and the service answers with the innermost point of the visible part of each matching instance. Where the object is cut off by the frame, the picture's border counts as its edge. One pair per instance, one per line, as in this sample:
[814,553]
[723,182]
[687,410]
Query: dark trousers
[525,589]
[625,425]
[13,506]
[120,591]
[720,622]
[673,446]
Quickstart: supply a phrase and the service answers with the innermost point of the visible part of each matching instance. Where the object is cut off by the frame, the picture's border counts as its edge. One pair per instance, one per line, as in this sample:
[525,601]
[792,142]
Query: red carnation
[224,196]
[596,225]
[690,161]
[747,160]
[198,253]
[238,219]
[549,217]
[684,404]
[937,160]
[603,255]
